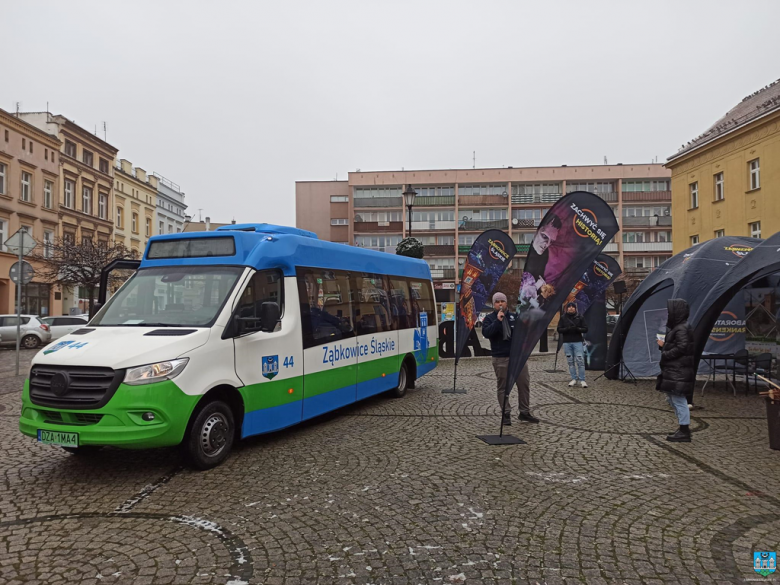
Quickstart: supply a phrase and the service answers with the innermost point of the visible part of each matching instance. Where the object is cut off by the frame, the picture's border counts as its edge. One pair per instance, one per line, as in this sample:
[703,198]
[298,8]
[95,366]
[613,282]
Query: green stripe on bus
[272,393]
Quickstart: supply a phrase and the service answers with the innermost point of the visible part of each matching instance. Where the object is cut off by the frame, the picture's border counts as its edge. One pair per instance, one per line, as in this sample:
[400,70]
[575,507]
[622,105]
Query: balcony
[608,197]
[378,226]
[647,247]
[439,250]
[521,249]
[469,200]
[535,198]
[648,221]
[611,247]
[637,271]
[388,249]
[482,224]
[647,196]
[434,201]
[424,226]
[443,273]
[518,223]
[378,202]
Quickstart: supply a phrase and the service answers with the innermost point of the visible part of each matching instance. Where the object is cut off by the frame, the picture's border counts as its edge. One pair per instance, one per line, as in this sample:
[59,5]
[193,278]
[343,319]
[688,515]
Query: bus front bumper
[121,422]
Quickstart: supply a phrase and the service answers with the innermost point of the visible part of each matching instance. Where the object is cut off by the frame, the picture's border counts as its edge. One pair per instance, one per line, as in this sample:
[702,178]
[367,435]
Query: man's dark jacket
[493,329]
[677,375]
[571,328]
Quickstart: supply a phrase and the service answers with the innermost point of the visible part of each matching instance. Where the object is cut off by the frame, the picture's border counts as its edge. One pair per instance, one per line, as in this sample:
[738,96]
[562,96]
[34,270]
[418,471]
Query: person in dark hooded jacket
[677,377]
[571,326]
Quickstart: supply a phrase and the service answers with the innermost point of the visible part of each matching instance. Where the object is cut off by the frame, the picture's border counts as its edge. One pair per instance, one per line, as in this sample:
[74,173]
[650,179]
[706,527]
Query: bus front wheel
[210,436]
[403,382]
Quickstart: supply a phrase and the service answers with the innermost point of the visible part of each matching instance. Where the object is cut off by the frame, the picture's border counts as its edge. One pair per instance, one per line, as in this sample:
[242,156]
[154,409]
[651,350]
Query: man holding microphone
[498,327]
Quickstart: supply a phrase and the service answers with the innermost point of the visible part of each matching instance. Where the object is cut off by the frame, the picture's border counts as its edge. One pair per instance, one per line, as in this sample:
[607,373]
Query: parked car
[34,332]
[61,326]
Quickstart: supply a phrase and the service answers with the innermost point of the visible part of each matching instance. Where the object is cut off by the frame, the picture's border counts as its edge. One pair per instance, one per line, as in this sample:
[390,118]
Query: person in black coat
[677,377]
[571,326]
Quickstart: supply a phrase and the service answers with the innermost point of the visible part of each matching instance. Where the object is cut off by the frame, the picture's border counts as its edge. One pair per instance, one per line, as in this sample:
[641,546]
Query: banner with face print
[570,237]
[489,257]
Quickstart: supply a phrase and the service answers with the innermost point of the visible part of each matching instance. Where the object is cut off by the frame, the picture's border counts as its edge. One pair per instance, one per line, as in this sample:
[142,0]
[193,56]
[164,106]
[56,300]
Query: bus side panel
[378,363]
[330,377]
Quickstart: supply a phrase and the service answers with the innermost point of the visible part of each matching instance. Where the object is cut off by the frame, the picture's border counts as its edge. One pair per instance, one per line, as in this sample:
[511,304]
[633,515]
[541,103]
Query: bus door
[329,342]
[377,340]
[268,353]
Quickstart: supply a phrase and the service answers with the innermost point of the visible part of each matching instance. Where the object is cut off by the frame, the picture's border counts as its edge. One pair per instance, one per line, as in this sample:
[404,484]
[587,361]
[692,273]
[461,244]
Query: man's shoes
[681,436]
[527,417]
[583,384]
[572,383]
[507,420]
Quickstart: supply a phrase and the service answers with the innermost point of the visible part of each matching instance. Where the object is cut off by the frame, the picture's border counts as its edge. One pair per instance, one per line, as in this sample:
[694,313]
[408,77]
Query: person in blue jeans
[571,327]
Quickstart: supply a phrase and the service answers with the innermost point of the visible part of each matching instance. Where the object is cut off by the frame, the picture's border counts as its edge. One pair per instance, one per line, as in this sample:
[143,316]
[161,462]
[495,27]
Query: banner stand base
[554,371]
[455,391]
[499,440]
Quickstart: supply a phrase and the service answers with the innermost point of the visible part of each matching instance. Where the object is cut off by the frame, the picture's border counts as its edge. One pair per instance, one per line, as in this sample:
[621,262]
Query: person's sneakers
[507,419]
[681,436]
[527,417]
[583,384]
[572,383]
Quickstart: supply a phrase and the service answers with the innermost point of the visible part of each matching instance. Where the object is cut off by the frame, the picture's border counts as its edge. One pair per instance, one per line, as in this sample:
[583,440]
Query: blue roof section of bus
[264,246]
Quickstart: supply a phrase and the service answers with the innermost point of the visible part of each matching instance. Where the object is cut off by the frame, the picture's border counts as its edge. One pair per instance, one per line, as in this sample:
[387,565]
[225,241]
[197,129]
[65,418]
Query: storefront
[36,299]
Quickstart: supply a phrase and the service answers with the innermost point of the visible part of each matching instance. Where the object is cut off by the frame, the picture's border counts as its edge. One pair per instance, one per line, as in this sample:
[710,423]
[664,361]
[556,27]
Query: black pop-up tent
[689,275]
[761,262]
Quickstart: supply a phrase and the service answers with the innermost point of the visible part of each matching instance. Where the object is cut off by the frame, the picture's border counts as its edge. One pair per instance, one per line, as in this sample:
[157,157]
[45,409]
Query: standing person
[494,328]
[677,377]
[571,327]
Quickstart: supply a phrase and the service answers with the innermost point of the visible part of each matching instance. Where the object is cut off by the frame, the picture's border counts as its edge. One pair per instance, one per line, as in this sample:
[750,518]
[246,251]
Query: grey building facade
[169,216]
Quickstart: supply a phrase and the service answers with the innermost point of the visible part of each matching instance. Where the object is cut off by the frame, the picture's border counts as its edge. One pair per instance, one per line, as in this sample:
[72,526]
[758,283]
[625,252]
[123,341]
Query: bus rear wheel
[210,436]
[403,382]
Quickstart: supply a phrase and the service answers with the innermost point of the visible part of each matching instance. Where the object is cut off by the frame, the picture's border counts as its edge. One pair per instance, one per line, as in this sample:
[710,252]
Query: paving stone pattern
[401,491]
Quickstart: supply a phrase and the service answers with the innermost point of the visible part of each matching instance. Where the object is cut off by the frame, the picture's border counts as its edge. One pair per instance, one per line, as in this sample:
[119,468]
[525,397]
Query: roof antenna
[104,132]
[474,159]
[605,160]
[18,105]
[200,214]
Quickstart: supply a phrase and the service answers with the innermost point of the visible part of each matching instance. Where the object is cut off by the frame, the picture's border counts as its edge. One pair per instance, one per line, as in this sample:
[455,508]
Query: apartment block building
[29,199]
[454,206]
[169,216]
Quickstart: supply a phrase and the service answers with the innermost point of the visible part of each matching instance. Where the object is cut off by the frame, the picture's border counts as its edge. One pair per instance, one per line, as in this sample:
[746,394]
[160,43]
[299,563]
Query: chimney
[127,166]
[208,224]
[140,174]
[233,222]
[153,181]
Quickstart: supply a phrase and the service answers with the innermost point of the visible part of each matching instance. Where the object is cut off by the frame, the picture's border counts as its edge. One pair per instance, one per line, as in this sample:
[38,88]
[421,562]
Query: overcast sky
[235,101]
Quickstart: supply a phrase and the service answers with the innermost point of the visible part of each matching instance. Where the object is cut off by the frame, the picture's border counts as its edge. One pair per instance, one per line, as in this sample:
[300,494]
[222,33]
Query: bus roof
[264,246]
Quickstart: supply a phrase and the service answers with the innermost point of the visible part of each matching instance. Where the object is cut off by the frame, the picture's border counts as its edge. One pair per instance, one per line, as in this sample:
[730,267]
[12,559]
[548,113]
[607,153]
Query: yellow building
[726,182]
[135,199]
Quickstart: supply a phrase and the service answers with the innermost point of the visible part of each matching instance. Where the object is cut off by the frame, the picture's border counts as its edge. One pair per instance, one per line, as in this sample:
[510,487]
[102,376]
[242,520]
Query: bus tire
[210,436]
[85,451]
[403,382]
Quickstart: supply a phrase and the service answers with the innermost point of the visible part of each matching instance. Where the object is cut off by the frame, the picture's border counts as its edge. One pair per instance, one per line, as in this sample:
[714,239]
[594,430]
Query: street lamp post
[409,196]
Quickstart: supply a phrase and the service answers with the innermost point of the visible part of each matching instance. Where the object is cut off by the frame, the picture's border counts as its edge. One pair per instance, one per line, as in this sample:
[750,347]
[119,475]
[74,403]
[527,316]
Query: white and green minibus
[225,334]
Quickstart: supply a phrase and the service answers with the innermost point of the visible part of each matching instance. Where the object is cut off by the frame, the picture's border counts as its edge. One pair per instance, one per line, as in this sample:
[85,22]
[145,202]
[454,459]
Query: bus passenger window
[326,305]
[422,301]
[399,303]
[372,312]
[265,287]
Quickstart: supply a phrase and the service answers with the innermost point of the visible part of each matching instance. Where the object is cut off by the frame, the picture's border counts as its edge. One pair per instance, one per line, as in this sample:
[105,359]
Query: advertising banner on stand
[489,257]
[570,237]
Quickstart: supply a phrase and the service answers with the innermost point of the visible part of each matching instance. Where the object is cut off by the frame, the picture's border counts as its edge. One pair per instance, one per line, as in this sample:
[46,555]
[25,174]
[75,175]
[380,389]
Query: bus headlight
[155,372]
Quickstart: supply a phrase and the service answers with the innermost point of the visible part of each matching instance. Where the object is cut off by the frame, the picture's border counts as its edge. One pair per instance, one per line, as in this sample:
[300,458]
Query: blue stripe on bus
[376,386]
[425,368]
[270,419]
[322,403]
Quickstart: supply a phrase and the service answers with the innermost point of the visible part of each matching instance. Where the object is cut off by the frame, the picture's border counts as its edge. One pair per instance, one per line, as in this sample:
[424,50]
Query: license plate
[58,438]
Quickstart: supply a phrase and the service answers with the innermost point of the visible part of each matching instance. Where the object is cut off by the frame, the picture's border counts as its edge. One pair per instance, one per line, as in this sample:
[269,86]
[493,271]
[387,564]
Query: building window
[46,153]
[27,228]
[135,223]
[694,240]
[148,227]
[69,187]
[339,199]
[103,166]
[119,219]
[69,237]
[170,229]
[2,179]
[102,206]
[162,228]
[70,148]
[24,144]
[48,243]
[7,138]
[26,186]
[47,187]
[755,172]
[719,187]
[31,146]
[663,237]
[339,222]
[86,200]
[87,158]
[755,229]
[694,195]
[3,234]
[720,233]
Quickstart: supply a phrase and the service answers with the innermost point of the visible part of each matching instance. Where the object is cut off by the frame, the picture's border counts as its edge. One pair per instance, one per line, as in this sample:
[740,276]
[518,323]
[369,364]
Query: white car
[34,331]
[61,326]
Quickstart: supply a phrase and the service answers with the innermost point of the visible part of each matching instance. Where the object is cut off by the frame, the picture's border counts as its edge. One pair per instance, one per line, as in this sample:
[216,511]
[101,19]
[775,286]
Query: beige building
[29,199]
[135,197]
[454,206]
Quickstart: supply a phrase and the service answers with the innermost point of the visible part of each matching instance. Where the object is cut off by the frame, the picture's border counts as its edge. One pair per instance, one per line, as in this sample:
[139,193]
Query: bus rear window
[192,248]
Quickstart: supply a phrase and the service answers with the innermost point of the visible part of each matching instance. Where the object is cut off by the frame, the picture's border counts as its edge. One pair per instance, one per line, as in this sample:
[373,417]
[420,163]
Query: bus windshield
[170,296]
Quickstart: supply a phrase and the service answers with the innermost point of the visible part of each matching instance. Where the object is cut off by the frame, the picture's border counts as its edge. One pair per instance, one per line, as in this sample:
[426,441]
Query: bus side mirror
[269,316]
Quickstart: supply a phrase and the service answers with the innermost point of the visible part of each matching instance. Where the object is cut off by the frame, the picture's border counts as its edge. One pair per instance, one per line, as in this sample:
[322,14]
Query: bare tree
[70,264]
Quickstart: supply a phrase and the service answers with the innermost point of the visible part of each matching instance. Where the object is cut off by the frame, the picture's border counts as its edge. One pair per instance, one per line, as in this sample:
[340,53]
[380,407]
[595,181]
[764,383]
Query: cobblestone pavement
[402,491]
